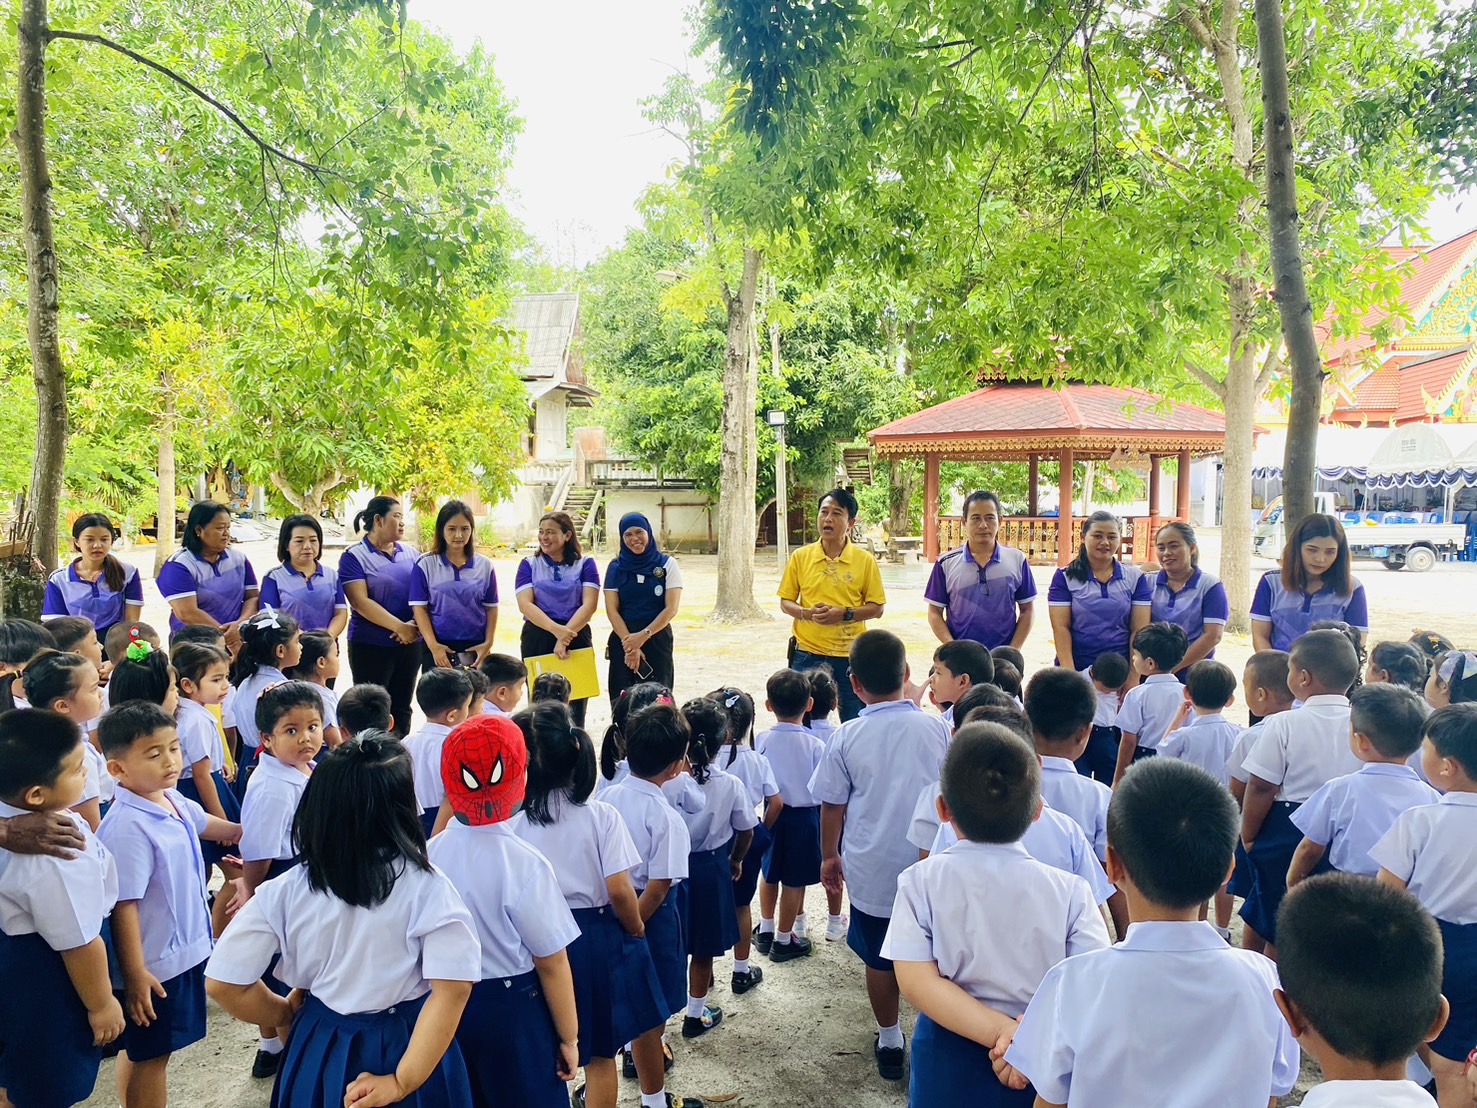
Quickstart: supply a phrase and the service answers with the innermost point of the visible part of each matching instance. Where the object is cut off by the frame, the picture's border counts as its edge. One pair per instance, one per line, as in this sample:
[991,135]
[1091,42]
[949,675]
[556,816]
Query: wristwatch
[849,615]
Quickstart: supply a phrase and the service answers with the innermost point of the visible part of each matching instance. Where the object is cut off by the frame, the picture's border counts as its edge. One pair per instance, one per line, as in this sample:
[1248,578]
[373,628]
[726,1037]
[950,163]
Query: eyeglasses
[985,579]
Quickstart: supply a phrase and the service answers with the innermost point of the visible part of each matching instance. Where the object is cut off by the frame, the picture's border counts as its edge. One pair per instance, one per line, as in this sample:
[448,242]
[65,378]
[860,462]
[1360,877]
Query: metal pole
[781,498]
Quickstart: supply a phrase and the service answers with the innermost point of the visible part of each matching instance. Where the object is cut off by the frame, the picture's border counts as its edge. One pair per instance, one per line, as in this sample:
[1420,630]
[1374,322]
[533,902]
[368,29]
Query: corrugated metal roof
[549,324]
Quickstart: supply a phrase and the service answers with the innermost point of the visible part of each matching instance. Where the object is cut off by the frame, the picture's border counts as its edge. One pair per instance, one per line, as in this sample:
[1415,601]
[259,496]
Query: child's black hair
[481,686]
[358,827]
[981,696]
[442,690]
[118,636]
[33,745]
[316,646]
[1008,679]
[70,632]
[1008,716]
[991,782]
[1402,663]
[613,745]
[1111,669]
[1329,656]
[879,662]
[277,701]
[503,669]
[261,635]
[551,686]
[1211,684]
[192,660]
[656,736]
[125,724]
[1361,961]
[1268,668]
[1008,654]
[1391,717]
[1174,827]
[1453,732]
[825,694]
[740,708]
[1162,643]
[197,632]
[53,675]
[364,707]
[1061,704]
[146,679]
[20,641]
[966,658]
[1432,644]
[789,694]
[561,758]
[708,723]
[1356,640]
[1458,672]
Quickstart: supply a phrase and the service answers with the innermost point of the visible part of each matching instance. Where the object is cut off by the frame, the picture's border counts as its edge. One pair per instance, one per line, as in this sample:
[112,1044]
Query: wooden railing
[1037,536]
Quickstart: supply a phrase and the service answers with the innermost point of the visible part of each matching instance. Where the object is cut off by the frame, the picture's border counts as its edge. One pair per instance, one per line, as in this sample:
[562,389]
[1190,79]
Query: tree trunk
[164,547]
[1239,399]
[1089,478]
[902,477]
[48,469]
[1293,307]
[740,455]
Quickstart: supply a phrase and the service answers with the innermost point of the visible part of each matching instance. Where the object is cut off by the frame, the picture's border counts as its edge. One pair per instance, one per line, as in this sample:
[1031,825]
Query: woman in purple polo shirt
[205,583]
[1097,602]
[558,590]
[1314,584]
[453,593]
[302,586]
[983,591]
[95,584]
[1186,595]
[384,644]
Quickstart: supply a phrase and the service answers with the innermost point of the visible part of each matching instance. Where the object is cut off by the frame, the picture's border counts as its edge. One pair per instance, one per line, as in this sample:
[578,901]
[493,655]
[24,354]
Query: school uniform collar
[269,765]
[73,576]
[993,559]
[1162,582]
[1172,935]
[792,728]
[1389,769]
[126,798]
[642,785]
[1206,721]
[500,828]
[904,705]
[435,730]
[10,811]
[1330,699]
[188,705]
[1161,678]
[1461,800]
[991,850]
[1057,765]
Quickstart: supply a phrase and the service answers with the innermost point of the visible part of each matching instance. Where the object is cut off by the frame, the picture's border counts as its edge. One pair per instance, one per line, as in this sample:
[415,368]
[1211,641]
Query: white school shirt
[1204,1032]
[722,808]
[1302,750]
[793,753]
[825,730]
[994,919]
[160,866]
[510,890]
[1352,813]
[64,900]
[240,708]
[1368,1094]
[753,769]
[100,785]
[352,959]
[267,810]
[586,844]
[330,705]
[1430,849]
[660,836]
[1205,741]
[198,735]
[622,771]
[1235,764]
[1107,708]
[1150,708]
[1081,798]
[424,748]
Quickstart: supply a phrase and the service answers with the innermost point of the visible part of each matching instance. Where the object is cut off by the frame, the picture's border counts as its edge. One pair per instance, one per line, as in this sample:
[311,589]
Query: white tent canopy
[1417,455]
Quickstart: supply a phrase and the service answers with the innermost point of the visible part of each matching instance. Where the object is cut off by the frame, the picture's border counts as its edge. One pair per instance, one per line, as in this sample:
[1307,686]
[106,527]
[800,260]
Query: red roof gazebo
[1016,421]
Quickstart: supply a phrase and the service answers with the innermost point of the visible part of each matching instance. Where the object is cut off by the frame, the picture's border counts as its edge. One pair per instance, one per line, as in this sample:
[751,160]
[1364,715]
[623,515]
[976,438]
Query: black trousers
[394,667]
[658,651]
[535,641]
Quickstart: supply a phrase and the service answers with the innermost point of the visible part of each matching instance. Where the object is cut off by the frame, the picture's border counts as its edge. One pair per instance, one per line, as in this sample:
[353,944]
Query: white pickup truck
[1417,546]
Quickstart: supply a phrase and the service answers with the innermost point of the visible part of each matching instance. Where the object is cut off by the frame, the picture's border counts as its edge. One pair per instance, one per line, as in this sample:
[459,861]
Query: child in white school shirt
[1360,1017]
[975,929]
[1193,1021]
[445,695]
[1149,709]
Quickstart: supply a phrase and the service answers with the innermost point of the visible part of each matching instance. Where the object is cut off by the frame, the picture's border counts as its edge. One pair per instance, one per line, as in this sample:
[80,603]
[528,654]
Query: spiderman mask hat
[484,766]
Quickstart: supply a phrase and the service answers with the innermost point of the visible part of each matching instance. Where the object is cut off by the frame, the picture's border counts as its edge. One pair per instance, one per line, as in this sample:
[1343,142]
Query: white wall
[552,421]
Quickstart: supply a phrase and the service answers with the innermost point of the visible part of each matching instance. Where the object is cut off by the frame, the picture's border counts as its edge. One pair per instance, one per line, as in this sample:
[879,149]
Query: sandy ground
[805,1035]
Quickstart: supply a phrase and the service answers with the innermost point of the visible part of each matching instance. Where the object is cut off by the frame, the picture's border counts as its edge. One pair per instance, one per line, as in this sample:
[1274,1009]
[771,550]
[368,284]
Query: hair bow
[139,648]
[267,617]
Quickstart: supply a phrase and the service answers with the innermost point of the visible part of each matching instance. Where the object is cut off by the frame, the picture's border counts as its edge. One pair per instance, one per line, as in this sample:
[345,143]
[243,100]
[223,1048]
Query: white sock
[654,1100]
[272,1045]
[1223,932]
[802,922]
[836,919]
[782,937]
[890,1037]
[695,1005]
[740,965]
[766,926]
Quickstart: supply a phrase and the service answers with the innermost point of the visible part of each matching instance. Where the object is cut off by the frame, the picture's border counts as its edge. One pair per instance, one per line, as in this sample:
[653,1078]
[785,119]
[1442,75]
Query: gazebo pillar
[1065,548]
[1153,484]
[1033,499]
[930,507]
[1182,487]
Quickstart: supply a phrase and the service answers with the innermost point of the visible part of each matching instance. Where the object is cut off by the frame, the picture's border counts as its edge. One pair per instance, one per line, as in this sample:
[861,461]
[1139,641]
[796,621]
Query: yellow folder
[579,667]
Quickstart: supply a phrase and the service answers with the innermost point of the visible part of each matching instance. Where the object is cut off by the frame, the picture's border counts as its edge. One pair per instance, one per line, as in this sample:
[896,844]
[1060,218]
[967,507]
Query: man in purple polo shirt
[982,591]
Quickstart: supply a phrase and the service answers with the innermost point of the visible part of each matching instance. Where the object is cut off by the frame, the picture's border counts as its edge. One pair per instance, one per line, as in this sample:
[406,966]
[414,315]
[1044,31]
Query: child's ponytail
[261,635]
[740,708]
[613,744]
[144,673]
[51,676]
[708,721]
[561,758]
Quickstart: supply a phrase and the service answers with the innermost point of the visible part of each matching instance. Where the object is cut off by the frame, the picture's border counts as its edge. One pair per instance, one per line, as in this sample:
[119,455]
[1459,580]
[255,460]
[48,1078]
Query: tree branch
[1198,28]
[1216,386]
[1270,368]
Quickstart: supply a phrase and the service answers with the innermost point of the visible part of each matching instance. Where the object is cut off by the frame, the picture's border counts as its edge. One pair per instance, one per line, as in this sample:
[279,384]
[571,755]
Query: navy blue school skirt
[748,880]
[327,1051]
[179,1019]
[1459,986]
[1270,856]
[247,766]
[230,805]
[709,915]
[1242,877]
[46,1054]
[511,1049]
[1100,759]
[950,1069]
[794,858]
[665,938]
[428,819]
[616,990]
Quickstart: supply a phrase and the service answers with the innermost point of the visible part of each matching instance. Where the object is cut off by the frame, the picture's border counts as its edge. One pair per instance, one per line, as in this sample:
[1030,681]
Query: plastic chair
[1435,517]
[1350,517]
[1374,517]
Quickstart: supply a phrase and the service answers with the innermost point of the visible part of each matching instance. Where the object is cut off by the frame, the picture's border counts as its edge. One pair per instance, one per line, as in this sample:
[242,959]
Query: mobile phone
[646,672]
[463,659]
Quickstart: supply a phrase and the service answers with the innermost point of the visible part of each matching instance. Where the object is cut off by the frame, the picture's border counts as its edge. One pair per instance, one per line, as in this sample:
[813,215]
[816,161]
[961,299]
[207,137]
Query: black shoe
[682,1102]
[795,948]
[889,1061]
[743,982]
[695,1027]
[266,1064]
[577,1098]
[763,940]
[628,1065]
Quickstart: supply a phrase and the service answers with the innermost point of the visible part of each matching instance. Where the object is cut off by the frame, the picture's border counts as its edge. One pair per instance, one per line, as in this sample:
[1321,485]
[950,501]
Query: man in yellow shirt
[830,589]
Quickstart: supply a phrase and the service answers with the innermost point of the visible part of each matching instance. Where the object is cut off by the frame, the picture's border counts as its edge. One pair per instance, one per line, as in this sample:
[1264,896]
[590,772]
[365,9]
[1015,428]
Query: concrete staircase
[581,502]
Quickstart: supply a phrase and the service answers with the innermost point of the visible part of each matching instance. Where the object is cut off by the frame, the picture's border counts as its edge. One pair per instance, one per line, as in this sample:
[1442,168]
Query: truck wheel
[1420,558]
[1391,563]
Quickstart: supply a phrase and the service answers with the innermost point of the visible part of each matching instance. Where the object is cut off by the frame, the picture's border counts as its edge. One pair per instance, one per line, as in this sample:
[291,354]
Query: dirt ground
[805,1035]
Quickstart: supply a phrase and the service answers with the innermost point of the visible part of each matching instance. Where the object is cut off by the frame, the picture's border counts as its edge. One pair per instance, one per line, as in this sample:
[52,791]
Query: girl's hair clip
[139,649]
[267,617]
[733,698]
